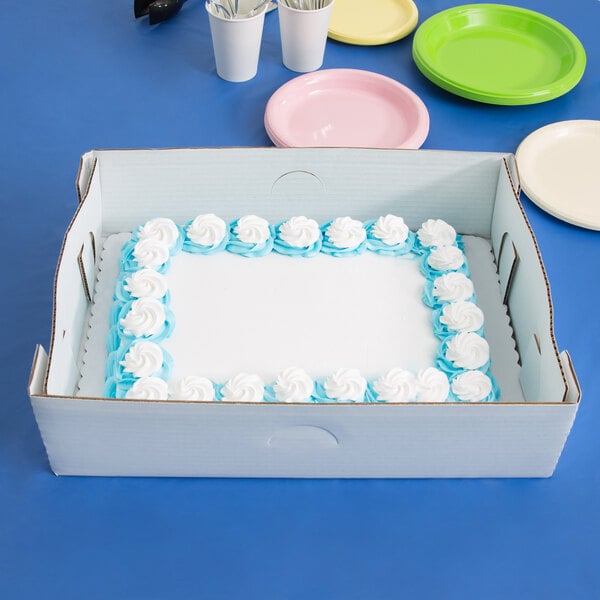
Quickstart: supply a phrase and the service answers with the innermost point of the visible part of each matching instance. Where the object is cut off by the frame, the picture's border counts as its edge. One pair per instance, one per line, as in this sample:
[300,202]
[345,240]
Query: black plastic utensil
[157,10]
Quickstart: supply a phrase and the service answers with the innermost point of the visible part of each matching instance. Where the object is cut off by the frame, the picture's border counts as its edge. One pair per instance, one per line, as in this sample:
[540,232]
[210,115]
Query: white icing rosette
[462,316]
[151,253]
[145,317]
[452,287]
[160,230]
[148,388]
[435,232]
[193,388]
[243,387]
[300,232]
[252,230]
[143,359]
[346,385]
[446,258]
[432,385]
[146,283]
[467,351]
[397,385]
[391,230]
[346,233]
[472,386]
[207,230]
[293,385]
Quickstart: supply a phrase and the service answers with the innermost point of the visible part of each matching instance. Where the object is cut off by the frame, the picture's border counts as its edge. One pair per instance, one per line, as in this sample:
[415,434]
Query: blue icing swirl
[282,247]
[116,331]
[371,395]
[113,338]
[376,245]
[446,365]
[431,273]
[441,330]
[420,249]
[236,246]
[491,397]
[114,368]
[269,394]
[194,248]
[218,393]
[329,248]
[123,295]
[110,387]
[217,390]
[117,388]
[129,264]
[174,249]
[431,301]
[320,395]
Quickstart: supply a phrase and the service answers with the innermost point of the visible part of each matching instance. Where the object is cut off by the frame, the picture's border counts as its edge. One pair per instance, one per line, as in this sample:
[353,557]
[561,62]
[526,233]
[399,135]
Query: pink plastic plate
[346,108]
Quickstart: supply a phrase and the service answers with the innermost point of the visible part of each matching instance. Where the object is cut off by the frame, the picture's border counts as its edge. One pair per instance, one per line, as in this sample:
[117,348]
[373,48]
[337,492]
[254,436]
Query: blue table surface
[85,74]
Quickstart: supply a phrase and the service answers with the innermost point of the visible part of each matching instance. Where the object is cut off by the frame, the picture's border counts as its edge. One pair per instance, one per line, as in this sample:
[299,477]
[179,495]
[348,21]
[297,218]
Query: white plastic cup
[303,36]
[236,42]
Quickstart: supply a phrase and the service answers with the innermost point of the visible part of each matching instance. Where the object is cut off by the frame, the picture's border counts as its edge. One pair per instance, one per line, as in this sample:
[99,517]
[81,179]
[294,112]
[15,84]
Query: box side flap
[527,295]
[73,289]
[277,183]
[574,393]
[87,164]
[35,387]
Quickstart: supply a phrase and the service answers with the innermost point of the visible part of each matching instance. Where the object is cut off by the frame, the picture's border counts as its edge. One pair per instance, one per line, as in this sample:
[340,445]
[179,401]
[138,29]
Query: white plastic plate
[559,168]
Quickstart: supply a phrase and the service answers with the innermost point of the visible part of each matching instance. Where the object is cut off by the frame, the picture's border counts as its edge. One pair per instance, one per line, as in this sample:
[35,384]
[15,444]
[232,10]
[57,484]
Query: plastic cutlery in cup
[230,9]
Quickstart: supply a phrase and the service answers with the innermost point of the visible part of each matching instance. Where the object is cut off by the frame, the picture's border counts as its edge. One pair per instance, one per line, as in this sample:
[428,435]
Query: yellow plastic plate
[372,22]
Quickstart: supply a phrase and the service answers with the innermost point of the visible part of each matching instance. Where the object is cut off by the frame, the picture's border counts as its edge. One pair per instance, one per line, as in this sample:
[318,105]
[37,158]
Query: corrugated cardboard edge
[39,356]
[512,172]
[62,250]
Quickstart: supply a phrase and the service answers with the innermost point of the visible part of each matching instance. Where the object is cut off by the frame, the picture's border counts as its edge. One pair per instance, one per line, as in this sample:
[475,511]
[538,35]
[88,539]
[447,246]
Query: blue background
[84,74]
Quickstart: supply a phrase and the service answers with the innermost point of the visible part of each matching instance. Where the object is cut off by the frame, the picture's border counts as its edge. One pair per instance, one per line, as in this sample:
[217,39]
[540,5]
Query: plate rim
[379,40]
[551,91]
[415,140]
[525,146]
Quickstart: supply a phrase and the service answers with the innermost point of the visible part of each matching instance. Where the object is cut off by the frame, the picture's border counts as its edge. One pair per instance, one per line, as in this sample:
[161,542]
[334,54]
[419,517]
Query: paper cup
[303,36]
[236,42]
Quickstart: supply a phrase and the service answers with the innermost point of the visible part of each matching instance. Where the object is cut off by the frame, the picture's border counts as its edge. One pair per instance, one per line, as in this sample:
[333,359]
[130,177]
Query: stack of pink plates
[346,108]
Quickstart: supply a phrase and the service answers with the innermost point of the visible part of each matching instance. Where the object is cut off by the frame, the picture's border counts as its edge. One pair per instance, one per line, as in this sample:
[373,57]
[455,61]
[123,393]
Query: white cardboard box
[520,436]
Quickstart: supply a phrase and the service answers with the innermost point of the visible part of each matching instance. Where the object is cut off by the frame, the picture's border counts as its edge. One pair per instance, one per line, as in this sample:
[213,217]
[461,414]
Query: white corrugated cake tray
[520,435]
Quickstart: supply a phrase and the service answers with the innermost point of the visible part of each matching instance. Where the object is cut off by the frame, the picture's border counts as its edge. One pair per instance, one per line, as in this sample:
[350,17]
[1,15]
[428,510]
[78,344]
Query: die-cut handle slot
[298,184]
[531,373]
[93,244]
[508,259]
[84,276]
[536,339]
[301,437]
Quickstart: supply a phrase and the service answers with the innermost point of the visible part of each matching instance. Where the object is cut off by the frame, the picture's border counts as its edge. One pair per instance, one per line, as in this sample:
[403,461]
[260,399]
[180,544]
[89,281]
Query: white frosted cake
[249,311]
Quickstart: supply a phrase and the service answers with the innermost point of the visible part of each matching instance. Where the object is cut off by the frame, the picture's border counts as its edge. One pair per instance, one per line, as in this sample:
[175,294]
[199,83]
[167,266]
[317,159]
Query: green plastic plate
[499,54]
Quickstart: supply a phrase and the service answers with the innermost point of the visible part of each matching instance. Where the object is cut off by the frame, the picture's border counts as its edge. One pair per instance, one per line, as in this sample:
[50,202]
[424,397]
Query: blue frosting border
[117,382]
